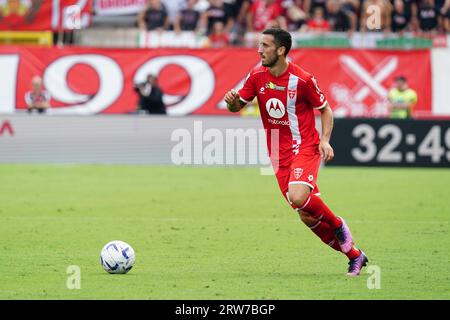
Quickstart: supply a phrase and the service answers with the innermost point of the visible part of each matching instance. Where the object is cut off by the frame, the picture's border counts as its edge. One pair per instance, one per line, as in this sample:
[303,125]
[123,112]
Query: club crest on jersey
[275,108]
[291,93]
[298,172]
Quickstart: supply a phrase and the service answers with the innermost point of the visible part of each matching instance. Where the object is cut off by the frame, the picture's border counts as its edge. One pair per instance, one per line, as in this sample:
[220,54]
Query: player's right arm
[233,100]
[237,100]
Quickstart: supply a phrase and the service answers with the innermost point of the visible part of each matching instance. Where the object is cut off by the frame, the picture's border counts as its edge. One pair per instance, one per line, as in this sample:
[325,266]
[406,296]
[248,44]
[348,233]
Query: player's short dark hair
[281,37]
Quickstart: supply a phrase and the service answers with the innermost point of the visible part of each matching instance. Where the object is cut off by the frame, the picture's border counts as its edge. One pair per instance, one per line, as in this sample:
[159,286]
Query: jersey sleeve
[248,90]
[314,95]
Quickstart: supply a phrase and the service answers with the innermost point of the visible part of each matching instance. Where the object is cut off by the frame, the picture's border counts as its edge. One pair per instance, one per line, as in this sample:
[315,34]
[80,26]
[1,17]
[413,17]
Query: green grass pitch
[218,233]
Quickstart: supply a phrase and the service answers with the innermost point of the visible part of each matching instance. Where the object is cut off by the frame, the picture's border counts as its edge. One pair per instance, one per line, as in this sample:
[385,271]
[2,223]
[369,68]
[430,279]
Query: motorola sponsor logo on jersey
[276,109]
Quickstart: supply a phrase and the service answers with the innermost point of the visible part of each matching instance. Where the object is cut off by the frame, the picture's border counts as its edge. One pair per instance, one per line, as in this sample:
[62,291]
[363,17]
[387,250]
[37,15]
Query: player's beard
[271,63]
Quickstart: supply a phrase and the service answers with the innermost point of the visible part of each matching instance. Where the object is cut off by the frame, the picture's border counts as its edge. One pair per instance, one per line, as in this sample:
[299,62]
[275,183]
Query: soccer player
[287,97]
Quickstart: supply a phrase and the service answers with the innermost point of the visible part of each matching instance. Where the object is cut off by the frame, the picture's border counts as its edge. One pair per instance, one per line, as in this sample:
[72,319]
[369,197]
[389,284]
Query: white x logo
[368,82]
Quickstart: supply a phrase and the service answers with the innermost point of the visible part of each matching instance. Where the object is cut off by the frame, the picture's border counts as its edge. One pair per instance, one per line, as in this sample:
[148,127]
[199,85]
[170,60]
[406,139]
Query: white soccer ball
[117,257]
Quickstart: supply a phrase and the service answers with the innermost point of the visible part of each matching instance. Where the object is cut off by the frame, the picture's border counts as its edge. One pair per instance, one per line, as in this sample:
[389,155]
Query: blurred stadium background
[91,56]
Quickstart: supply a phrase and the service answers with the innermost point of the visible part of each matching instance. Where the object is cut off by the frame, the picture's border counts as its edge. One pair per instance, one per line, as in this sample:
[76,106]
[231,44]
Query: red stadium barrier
[91,81]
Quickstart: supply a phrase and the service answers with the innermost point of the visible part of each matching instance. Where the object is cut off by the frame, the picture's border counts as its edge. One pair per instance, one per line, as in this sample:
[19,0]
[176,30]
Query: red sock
[326,234]
[353,254]
[319,210]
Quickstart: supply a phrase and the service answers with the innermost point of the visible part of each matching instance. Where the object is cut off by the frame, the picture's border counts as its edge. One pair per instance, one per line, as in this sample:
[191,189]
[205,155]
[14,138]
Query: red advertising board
[91,81]
[357,82]
[41,15]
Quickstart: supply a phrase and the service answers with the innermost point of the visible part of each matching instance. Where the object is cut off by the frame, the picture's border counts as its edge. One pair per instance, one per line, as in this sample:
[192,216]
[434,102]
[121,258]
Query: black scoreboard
[386,142]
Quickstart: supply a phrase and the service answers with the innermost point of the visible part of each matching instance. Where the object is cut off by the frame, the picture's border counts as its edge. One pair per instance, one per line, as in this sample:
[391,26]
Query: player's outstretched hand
[326,151]
[232,100]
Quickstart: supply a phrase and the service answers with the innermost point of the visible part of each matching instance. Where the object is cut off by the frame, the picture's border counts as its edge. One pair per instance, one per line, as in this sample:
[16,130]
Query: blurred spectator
[310,5]
[239,39]
[442,7]
[241,17]
[153,17]
[261,12]
[218,37]
[428,15]
[202,5]
[273,24]
[445,12]
[173,7]
[317,23]
[295,14]
[38,98]
[338,19]
[367,20]
[238,10]
[217,12]
[352,9]
[400,18]
[402,99]
[188,19]
[150,96]
[410,7]
[233,7]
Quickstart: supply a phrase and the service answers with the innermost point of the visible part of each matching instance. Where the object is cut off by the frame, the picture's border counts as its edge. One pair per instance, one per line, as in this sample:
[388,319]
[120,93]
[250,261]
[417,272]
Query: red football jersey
[286,103]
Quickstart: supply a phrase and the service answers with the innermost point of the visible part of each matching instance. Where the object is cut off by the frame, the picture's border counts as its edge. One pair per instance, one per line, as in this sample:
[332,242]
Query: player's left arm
[326,150]
[317,101]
